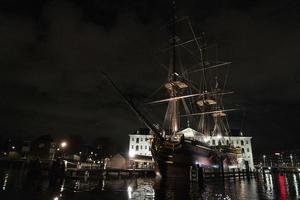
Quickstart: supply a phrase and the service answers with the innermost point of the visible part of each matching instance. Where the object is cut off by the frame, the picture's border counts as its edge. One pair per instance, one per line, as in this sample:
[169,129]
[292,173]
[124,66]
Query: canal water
[15,185]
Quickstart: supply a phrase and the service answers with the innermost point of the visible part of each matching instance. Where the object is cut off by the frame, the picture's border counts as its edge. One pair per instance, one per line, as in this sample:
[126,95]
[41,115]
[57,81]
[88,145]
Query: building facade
[139,145]
[237,141]
[139,149]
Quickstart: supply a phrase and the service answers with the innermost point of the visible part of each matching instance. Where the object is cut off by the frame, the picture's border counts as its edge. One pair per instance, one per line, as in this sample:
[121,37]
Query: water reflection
[270,186]
[5,181]
[295,183]
[282,188]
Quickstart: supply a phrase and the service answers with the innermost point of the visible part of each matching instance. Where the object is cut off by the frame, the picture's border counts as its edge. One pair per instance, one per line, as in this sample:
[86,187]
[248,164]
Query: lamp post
[63,145]
[264,157]
[292,162]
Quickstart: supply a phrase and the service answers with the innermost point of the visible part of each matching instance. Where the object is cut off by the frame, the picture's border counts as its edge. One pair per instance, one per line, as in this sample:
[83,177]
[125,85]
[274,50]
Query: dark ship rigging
[175,147]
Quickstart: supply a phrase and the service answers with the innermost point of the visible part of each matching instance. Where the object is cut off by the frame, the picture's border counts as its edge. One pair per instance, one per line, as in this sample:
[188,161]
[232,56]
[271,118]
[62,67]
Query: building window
[213,142]
[137,140]
[132,147]
[243,150]
[132,139]
[227,142]
[145,147]
[141,139]
[247,142]
[141,147]
[242,142]
[137,147]
[248,150]
[237,142]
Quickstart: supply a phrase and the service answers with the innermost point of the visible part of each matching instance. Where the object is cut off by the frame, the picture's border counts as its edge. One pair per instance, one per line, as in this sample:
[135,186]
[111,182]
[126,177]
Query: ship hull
[175,161]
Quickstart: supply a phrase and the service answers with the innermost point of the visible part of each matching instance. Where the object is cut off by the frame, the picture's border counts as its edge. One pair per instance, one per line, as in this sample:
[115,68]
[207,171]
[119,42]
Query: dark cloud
[51,52]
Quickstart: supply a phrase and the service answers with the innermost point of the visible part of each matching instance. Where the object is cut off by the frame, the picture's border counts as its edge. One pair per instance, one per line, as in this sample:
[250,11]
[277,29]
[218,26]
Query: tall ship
[194,110]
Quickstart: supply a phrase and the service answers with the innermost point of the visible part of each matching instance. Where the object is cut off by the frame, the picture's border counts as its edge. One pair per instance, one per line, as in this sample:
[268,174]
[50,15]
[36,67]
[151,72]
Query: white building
[139,149]
[237,141]
[139,144]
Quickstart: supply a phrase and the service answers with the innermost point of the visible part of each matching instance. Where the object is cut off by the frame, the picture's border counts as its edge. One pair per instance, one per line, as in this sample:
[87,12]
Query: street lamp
[292,162]
[264,157]
[63,144]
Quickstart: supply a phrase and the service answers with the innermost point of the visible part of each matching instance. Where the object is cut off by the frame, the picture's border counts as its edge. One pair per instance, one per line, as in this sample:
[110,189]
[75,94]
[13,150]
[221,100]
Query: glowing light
[55,198]
[206,139]
[131,154]
[219,136]
[129,191]
[63,144]
[5,181]
[13,147]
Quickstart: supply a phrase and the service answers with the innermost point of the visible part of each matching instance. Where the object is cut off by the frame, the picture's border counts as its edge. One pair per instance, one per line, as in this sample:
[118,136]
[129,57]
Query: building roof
[146,131]
[142,131]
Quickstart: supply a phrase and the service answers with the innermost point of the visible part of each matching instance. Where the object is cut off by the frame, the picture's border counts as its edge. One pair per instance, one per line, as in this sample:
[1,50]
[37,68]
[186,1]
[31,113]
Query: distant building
[118,161]
[289,158]
[139,145]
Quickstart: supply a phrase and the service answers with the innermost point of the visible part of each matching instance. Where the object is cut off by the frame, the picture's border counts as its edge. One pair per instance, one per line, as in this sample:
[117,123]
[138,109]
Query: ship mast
[172,114]
[203,122]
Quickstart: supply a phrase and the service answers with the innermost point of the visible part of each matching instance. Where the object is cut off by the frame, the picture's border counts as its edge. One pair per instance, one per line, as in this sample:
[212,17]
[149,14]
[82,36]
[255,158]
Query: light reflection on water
[270,186]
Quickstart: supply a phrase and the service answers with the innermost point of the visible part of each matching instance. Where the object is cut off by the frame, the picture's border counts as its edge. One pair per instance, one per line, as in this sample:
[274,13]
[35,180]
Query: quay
[81,173]
[196,173]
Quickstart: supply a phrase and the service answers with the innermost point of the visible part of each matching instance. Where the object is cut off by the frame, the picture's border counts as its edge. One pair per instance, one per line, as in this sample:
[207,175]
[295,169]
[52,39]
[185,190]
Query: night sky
[51,52]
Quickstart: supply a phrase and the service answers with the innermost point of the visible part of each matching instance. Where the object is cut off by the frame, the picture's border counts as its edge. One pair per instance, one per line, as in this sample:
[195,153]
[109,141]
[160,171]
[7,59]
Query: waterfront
[15,185]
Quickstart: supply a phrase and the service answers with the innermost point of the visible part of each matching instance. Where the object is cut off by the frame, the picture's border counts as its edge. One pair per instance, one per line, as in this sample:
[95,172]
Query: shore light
[63,144]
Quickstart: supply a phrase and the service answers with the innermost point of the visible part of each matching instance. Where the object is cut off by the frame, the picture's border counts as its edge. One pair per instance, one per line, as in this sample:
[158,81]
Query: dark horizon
[51,52]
